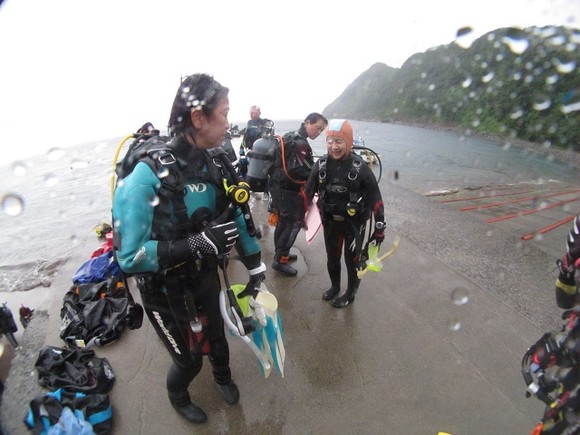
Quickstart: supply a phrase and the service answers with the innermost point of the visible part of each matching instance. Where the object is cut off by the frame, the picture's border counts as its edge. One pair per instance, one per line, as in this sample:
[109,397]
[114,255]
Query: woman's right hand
[216,239]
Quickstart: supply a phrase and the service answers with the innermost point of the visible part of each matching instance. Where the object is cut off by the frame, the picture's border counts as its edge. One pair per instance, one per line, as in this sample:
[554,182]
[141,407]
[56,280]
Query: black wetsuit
[350,204]
[145,240]
[253,131]
[287,179]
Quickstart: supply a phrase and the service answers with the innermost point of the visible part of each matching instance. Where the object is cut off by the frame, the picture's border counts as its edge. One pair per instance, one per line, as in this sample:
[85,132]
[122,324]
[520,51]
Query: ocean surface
[51,204]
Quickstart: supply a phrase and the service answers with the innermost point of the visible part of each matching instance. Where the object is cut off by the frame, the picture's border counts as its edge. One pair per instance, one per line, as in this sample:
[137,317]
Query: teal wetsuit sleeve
[133,218]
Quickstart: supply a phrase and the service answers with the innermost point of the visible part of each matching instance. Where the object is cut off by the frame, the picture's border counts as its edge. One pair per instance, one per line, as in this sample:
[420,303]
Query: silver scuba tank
[261,158]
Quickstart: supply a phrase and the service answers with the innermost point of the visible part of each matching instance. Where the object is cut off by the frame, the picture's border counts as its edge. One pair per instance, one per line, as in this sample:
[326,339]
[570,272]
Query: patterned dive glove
[216,239]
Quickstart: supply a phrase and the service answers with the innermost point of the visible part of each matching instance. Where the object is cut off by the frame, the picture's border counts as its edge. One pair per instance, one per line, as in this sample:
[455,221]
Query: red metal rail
[535,210]
[529,198]
[543,230]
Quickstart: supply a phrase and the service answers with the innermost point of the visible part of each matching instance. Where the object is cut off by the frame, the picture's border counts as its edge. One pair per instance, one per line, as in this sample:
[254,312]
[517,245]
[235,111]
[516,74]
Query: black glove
[216,239]
[378,236]
[253,285]
[566,268]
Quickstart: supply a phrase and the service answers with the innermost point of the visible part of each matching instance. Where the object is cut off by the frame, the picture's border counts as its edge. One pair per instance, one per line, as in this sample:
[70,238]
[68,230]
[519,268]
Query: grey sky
[76,71]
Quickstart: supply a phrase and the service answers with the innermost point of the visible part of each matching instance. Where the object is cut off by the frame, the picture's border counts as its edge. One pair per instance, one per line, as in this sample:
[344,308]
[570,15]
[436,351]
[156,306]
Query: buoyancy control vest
[340,192]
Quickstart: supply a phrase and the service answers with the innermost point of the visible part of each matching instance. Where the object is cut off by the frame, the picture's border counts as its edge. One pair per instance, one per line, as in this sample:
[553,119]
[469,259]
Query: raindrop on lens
[488,77]
[154,201]
[464,37]
[454,325]
[55,154]
[51,180]
[163,172]
[565,67]
[12,204]
[516,113]
[541,102]
[19,169]
[459,296]
[78,164]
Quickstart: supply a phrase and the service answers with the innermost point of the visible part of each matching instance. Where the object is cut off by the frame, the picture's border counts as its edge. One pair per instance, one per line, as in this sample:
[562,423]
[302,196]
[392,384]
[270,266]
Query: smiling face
[211,129]
[336,147]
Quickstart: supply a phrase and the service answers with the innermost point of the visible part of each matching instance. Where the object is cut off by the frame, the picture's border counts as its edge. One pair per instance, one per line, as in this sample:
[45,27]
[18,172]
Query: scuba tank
[261,158]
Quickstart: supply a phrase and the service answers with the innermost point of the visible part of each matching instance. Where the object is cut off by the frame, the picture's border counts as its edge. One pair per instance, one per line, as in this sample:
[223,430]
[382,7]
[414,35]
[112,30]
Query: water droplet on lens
[516,39]
[55,154]
[488,77]
[154,200]
[464,37]
[565,67]
[541,102]
[454,325]
[51,180]
[516,113]
[459,296]
[12,204]
[550,80]
[78,164]
[163,172]
[19,169]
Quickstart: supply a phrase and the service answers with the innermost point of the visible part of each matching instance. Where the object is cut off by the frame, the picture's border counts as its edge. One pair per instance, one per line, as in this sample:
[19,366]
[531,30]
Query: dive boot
[229,392]
[330,293]
[183,405]
[345,299]
[281,265]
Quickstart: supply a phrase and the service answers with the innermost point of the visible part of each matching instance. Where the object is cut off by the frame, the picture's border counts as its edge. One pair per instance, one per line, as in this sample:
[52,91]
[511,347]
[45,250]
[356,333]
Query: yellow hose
[115,158]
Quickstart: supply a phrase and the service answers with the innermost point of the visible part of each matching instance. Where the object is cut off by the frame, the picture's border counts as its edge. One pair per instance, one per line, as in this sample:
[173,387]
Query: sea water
[51,204]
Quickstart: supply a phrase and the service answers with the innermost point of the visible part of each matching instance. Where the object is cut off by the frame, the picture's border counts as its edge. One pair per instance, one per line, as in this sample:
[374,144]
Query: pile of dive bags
[96,310]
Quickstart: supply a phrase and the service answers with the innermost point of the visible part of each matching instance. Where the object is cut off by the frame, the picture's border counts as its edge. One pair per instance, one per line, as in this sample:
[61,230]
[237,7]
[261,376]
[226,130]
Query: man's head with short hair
[255,112]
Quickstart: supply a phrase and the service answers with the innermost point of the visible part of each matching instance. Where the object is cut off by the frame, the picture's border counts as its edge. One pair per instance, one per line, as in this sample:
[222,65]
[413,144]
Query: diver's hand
[216,239]
[566,268]
[253,285]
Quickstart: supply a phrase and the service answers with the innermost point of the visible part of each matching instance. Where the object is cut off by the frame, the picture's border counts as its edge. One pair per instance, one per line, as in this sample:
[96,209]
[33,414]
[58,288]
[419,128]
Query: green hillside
[522,83]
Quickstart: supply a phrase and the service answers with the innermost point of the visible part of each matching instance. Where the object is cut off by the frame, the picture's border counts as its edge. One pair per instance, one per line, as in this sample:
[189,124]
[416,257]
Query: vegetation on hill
[523,83]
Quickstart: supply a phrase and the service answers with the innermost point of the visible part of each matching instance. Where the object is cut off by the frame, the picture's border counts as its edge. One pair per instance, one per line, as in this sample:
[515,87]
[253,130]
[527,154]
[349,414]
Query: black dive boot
[181,402]
[346,299]
[229,392]
[281,265]
[330,293]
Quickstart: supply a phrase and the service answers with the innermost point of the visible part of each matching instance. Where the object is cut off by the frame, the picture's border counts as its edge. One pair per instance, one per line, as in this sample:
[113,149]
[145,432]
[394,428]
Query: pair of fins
[267,342]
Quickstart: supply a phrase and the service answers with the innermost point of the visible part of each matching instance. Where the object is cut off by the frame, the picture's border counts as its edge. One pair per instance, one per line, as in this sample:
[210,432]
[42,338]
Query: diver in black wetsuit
[351,209]
[287,178]
[173,243]
[566,286]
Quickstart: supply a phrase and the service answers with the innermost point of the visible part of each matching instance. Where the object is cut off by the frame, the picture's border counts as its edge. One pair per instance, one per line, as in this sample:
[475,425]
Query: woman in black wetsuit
[173,236]
[351,208]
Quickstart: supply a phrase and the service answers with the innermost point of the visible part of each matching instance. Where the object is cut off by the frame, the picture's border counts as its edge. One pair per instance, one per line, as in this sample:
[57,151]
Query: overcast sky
[75,71]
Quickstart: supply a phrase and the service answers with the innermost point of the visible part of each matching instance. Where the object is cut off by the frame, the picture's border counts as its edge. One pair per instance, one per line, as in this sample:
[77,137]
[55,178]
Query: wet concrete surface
[432,343]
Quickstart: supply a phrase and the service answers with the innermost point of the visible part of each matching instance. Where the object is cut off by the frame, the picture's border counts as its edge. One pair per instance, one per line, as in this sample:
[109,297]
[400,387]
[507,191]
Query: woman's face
[314,130]
[211,130]
[336,147]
